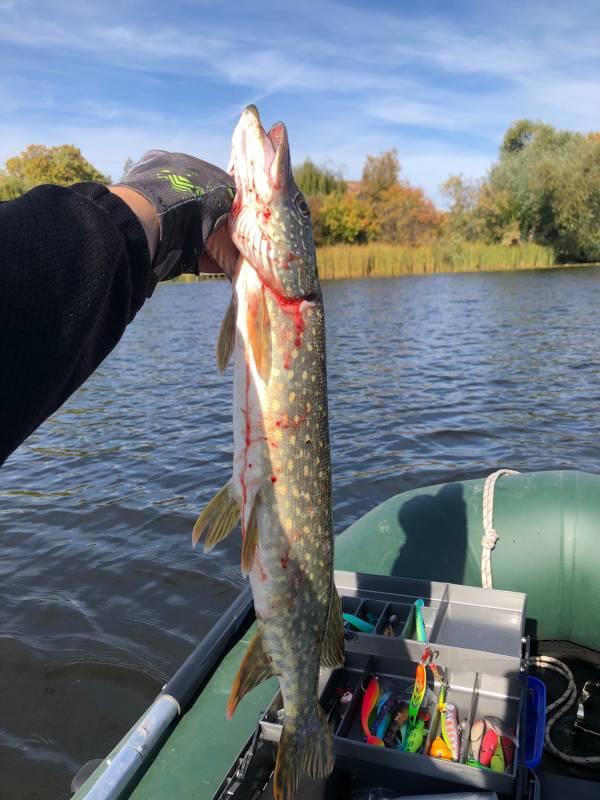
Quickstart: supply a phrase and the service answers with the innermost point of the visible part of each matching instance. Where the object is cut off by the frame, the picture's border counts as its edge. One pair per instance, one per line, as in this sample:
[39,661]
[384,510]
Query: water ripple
[101,597]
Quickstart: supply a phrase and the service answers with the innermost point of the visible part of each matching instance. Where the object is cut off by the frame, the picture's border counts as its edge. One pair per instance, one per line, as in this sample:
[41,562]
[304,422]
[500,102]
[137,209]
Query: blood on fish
[292,307]
[236,207]
[266,214]
[273,478]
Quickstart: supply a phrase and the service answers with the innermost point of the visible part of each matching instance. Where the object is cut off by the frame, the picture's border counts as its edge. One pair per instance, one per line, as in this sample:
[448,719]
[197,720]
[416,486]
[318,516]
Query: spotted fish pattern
[281,483]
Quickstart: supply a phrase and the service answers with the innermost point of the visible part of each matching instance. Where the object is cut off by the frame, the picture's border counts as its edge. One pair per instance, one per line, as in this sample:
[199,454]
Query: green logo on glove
[179,183]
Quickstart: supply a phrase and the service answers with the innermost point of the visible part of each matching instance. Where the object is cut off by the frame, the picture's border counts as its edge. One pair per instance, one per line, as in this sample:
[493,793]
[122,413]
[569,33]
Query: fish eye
[302,205]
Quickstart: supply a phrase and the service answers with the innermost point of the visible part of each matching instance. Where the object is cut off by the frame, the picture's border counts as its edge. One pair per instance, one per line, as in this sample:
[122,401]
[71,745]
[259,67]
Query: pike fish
[281,483]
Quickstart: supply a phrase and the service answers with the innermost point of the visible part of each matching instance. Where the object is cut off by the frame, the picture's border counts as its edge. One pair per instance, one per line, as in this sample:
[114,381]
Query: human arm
[75,268]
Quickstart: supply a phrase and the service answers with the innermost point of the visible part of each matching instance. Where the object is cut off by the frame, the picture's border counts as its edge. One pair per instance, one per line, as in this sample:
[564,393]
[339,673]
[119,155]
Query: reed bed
[384,260]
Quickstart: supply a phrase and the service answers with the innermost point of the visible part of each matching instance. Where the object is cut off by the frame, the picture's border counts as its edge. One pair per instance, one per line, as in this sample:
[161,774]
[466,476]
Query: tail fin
[309,750]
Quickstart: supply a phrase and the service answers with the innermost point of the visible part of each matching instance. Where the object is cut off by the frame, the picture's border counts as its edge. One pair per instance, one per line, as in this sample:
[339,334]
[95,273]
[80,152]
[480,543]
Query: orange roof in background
[353,187]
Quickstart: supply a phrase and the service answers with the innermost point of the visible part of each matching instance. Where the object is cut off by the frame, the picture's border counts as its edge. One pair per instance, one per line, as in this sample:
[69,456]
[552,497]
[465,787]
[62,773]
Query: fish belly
[282,468]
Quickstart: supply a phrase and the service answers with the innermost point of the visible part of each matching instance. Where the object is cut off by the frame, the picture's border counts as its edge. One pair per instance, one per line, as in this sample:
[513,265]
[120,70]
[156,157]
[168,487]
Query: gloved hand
[192,199]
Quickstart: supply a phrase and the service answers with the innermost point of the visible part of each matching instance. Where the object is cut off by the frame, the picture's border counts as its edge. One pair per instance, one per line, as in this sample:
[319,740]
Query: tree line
[544,188]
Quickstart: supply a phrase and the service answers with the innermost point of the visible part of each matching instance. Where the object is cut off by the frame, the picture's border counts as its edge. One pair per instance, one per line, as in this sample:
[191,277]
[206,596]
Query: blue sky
[441,81]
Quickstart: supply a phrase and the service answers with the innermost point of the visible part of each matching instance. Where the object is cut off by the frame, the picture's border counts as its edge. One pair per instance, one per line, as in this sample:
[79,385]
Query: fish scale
[281,482]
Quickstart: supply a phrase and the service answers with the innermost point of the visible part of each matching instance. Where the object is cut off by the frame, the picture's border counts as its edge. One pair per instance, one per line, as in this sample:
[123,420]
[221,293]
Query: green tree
[61,165]
[379,174]
[11,187]
[463,195]
[313,180]
[552,182]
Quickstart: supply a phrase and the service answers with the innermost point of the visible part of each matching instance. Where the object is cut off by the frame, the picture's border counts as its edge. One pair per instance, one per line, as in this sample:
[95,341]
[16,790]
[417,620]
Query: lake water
[101,596]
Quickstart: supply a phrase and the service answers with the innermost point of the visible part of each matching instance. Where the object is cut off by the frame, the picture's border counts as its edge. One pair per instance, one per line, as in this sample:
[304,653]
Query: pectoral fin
[219,517]
[259,334]
[226,338]
[332,652]
[255,668]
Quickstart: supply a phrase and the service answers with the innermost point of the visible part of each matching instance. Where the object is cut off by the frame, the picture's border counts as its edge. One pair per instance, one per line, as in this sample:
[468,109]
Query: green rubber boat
[548,524]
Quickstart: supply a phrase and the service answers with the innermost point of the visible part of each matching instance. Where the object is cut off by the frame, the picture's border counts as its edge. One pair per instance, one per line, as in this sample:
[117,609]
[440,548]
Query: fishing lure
[488,746]
[360,624]
[464,739]
[368,704]
[507,738]
[497,763]
[417,695]
[475,739]
[451,729]
[472,762]
[382,701]
[404,732]
[384,714]
[415,737]
[508,747]
[399,717]
[439,749]
[419,621]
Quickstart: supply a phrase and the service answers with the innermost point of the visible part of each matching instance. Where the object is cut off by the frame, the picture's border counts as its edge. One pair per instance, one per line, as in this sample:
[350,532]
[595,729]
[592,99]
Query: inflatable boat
[507,572]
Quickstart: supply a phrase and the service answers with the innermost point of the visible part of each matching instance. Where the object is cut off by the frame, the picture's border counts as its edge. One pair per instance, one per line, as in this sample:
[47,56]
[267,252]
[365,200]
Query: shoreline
[339,262]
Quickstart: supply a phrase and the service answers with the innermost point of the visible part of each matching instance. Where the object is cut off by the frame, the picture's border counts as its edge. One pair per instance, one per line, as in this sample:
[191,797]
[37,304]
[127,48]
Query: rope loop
[490,534]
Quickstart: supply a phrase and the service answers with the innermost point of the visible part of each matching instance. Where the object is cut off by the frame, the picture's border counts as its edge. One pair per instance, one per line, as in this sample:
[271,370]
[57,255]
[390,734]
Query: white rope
[566,701]
[569,697]
[490,535]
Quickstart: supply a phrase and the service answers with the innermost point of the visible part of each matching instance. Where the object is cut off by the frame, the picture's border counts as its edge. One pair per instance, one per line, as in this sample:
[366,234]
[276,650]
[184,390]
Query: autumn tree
[404,215]
[344,218]
[380,173]
[62,165]
[11,187]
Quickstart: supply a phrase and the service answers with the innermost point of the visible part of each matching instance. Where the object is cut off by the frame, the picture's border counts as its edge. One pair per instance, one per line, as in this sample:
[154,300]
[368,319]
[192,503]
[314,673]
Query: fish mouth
[261,166]
[260,159]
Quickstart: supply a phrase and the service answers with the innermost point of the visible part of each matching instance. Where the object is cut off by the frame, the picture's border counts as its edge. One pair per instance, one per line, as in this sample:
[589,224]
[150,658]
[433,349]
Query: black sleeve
[74,270]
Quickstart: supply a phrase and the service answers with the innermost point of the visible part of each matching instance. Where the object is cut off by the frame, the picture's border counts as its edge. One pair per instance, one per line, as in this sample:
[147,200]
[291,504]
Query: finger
[208,266]
[221,249]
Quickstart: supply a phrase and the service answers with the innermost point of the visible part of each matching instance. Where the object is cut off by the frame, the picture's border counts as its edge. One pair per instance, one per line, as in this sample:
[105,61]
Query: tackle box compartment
[477,636]
[467,618]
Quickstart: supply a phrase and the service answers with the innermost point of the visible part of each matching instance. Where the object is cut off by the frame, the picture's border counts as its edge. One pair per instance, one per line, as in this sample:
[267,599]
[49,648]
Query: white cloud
[348,79]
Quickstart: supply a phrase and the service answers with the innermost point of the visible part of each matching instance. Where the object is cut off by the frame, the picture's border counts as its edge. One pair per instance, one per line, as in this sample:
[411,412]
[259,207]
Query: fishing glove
[192,199]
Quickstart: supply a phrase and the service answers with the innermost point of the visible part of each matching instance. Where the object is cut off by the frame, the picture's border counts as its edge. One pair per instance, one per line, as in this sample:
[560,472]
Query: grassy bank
[380,260]
[384,260]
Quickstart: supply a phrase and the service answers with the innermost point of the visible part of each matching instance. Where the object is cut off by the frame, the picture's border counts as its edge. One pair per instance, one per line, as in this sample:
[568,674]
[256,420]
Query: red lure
[488,747]
[368,704]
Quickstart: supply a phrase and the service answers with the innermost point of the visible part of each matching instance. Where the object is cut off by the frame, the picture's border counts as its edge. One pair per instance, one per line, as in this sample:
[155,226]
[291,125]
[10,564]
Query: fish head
[269,220]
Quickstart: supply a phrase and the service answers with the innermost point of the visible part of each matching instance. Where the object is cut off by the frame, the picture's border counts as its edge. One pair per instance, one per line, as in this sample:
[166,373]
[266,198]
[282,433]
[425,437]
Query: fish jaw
[269,220]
